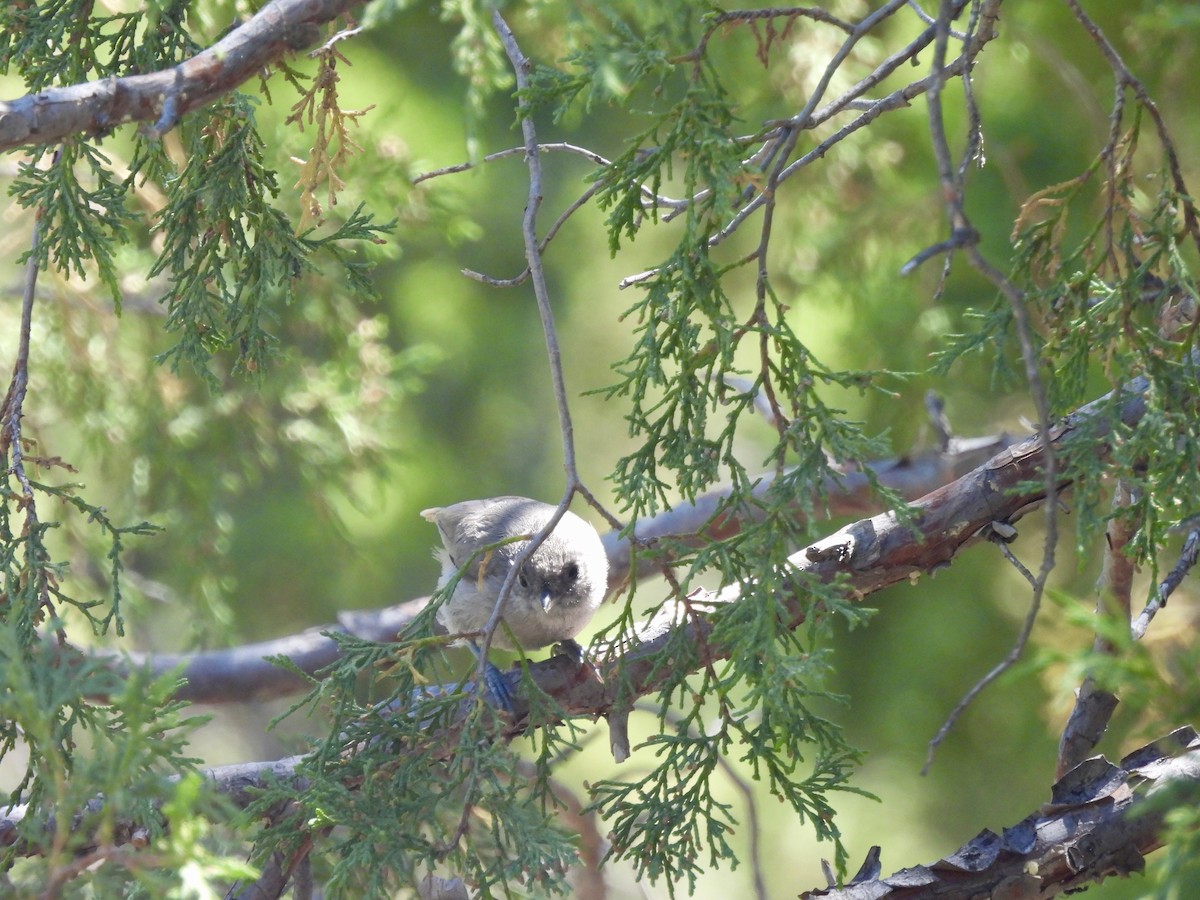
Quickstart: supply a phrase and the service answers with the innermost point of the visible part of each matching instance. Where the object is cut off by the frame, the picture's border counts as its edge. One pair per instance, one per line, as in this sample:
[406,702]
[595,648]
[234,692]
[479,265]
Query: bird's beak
[547,600]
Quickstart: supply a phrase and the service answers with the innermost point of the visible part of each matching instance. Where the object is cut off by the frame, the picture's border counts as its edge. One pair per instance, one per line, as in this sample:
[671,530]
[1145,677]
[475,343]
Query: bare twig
[929,20]
[344,34]
[997,670]
[1012,558]
[522,276]
[959,238]
[14,401]
[508,153]
[791,13]
[533,256]
[650,198]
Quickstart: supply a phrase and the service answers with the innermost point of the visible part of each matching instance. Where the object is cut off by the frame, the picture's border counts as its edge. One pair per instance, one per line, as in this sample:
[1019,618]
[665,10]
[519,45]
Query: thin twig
[14,401]
[1109,155]
[509,152]
[523,276]
[959,238]
[953,193]
[340,36]
[648,196]
[929,20]
[997,670]
[1016,563]
[533,256]
[782,133]
[755,15]
[1187,559]
[1126,77]
[973,151]
[12,454]
[861,30]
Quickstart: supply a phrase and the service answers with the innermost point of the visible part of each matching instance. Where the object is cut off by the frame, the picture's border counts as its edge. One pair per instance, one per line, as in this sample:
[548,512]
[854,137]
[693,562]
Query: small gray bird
[557,590]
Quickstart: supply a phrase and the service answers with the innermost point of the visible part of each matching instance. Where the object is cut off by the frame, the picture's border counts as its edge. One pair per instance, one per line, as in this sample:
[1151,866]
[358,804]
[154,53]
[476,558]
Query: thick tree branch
[868,555]
[1098,823]
[1094,705]
[863,557]
[237,674]
[874,553]
[161,98]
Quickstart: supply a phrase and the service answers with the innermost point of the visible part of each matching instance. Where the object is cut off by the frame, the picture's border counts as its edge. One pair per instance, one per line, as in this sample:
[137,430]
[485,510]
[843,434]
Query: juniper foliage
[715,180]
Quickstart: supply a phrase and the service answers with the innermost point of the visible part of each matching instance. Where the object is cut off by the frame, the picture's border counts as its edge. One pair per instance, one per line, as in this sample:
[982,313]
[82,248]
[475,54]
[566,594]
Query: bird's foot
[497,687]
[494,681]
[570,648]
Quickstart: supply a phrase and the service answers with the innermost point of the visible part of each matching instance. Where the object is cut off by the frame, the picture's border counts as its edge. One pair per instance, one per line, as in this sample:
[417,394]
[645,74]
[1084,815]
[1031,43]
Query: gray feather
[570,568]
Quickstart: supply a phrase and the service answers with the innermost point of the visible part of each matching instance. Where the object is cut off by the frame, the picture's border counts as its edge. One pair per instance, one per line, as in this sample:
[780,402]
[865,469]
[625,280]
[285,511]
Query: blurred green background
[272,526]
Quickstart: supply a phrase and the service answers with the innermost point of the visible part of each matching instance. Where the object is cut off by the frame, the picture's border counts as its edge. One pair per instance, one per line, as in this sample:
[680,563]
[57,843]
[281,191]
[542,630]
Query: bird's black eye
[570,572]
[523,580]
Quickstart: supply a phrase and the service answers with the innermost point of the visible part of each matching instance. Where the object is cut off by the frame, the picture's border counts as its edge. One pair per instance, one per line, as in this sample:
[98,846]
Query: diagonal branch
[874,553]
[867,556]
[161,98]
[236,674]
[1187,559]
